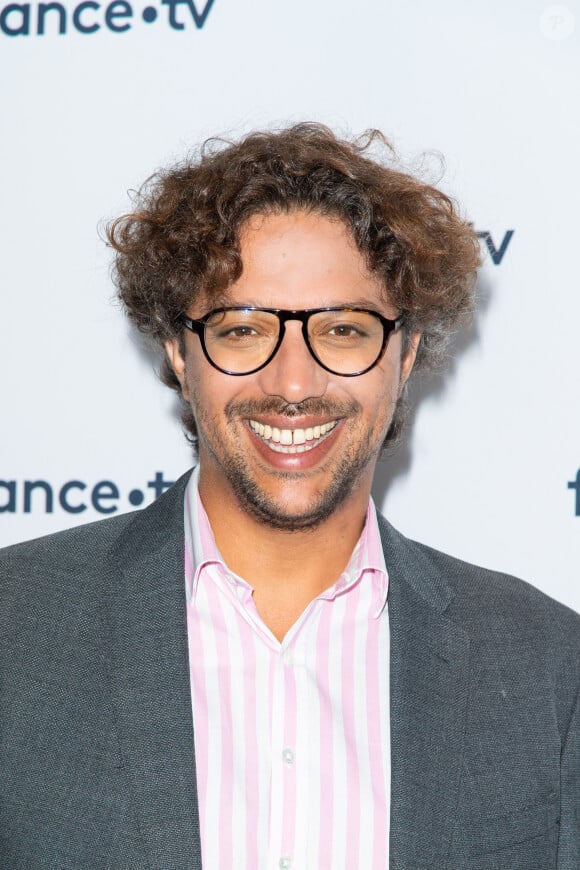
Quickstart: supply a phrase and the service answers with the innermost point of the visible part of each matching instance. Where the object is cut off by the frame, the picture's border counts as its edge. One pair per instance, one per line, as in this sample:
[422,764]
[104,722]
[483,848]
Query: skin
[287,523]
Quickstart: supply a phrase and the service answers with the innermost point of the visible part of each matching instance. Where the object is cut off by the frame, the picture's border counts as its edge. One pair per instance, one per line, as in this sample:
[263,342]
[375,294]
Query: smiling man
[293,410]
[258,671]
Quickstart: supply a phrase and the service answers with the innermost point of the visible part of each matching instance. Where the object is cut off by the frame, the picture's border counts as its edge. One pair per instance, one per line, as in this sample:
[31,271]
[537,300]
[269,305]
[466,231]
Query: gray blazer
[97,758]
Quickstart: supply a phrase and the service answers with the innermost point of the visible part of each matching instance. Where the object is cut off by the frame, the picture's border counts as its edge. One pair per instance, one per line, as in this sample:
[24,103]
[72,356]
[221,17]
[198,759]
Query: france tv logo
[89,16]
[74,496]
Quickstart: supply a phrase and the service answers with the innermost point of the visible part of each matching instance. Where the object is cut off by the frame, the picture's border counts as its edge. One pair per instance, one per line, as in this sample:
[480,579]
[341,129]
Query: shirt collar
[201,551]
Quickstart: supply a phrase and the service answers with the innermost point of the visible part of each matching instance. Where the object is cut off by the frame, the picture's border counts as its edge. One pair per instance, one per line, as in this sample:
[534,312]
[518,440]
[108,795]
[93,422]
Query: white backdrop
[87,115]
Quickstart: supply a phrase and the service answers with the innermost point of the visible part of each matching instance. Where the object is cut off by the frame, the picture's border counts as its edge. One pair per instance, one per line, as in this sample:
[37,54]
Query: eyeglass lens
[344,341]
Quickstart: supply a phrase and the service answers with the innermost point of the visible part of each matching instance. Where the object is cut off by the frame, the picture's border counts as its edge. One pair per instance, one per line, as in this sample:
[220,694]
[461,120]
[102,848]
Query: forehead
[300,260]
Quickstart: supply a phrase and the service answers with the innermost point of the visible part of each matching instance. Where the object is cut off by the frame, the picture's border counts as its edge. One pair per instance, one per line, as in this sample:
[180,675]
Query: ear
[408,360]
[177,363]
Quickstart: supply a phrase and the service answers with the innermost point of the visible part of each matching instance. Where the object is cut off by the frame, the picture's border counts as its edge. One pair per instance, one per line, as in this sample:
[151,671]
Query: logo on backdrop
[496,253]
[88,16]
[575,485]
[74,496]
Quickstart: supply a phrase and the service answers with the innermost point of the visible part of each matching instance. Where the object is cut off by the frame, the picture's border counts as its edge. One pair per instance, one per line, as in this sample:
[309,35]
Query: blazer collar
[148,664]
[429,689]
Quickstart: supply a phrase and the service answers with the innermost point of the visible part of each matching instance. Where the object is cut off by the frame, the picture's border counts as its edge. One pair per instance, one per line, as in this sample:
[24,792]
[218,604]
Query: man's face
[293,261]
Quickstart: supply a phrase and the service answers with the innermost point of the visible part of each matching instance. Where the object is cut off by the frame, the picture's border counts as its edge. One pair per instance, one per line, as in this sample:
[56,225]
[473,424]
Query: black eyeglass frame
[199,325]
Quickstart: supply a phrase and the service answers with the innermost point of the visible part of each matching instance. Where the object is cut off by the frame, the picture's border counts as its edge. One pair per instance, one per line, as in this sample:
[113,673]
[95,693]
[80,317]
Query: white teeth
[291,440]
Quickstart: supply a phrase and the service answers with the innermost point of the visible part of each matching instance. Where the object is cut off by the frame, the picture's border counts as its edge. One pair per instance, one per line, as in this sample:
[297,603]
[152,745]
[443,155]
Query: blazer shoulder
[495,592]
[68,548]
[518,629]
[76,557]
[481,598]
[63,579]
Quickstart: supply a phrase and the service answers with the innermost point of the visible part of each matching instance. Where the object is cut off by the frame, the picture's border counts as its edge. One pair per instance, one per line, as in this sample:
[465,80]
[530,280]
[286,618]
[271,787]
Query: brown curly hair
[182,240]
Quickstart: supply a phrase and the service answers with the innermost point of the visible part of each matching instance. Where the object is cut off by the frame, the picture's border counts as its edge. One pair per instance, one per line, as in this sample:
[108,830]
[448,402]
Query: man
[320,676]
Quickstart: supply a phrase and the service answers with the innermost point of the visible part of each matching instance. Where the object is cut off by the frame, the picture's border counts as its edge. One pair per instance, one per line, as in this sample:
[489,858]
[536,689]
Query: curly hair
[182,240]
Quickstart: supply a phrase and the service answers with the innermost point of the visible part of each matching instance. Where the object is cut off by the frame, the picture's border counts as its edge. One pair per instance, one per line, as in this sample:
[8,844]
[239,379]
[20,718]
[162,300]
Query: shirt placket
[289,731]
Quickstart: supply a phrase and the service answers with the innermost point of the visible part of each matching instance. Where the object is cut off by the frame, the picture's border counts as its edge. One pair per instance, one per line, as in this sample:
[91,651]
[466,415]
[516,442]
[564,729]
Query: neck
[287,569]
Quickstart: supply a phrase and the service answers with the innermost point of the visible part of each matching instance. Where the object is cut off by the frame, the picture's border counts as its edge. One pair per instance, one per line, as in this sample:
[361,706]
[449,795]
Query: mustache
[316,407]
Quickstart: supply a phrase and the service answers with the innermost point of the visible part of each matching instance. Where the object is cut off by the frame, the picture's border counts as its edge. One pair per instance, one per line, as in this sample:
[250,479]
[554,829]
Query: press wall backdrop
[97,94]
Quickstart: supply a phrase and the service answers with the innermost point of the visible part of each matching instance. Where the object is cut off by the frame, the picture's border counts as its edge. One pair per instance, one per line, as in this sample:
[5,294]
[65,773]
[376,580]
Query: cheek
[383,395]
[193,390]
[389,385]
[197,379]
[185,389]
[208,392]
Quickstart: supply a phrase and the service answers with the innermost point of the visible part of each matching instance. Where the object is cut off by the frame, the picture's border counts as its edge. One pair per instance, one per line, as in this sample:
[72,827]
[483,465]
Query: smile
[292,440]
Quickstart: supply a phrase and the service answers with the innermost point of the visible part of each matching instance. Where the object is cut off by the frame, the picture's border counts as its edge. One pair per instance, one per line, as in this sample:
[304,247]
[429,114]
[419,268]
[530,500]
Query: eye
[242,327]
[237,332]
[345,330]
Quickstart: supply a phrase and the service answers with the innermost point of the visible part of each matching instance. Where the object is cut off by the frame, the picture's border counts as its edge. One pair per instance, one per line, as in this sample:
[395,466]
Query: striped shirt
[292,739]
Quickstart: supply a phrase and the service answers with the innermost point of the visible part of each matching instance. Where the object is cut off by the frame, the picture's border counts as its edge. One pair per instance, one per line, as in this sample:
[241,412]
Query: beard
[271,511]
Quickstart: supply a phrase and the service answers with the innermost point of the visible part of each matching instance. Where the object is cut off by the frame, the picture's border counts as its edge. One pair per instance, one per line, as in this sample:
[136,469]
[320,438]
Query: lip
[295,462]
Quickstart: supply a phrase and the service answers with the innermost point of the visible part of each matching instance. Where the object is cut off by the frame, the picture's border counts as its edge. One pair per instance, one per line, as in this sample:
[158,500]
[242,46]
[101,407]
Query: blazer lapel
[429,689]
[148,663]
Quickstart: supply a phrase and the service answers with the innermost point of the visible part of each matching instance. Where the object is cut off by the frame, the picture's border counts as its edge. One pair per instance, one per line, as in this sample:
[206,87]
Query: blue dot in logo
[136,497]
[149,15]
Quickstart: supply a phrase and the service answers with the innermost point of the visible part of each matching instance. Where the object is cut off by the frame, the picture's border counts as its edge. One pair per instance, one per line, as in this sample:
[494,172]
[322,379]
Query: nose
[293,374]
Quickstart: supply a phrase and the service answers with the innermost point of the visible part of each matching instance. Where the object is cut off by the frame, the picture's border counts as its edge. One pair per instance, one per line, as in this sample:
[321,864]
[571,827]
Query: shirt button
[288,658]
[288,756]
[285,863]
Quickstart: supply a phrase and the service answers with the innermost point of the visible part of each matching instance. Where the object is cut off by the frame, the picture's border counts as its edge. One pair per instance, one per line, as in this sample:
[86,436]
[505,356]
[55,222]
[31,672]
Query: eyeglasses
[344,341]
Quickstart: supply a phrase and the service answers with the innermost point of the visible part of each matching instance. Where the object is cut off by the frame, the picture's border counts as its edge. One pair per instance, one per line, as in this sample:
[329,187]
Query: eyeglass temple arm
[194,325]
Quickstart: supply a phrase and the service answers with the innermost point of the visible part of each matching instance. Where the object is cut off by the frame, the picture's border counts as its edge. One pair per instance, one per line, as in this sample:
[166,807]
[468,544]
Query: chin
[290,514]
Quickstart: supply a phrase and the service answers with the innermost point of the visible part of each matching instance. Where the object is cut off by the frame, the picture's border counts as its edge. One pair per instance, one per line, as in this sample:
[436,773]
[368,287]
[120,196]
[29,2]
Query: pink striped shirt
[292,739]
